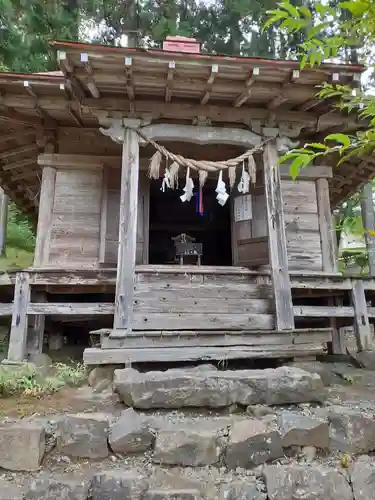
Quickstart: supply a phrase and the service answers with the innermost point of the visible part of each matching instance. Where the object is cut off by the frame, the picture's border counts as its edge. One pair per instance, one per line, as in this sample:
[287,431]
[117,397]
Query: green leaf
[305,12]
[340,138]
[318,145]
[293,11]
[295,167]
[356,8]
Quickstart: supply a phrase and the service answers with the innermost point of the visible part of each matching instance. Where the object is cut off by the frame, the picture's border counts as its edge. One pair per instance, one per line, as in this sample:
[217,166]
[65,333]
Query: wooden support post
[35,335]
[327,235]
[46,200]
[362,328]
[127,235]
[3,221]
[43,237]
[368,219]
[18,331]
[277,240]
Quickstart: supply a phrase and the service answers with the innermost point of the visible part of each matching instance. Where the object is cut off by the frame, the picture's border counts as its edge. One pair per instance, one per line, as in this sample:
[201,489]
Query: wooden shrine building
[162,223]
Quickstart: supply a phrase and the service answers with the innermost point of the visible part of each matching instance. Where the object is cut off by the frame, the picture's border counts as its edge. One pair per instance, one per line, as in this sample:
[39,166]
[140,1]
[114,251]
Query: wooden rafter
[40,112]
[244,96]
[9,114]
[71,81]
[91,85]
[23,134]
[283,95]
[169,84]
[16,164]
[213,73]
[28,148]
[26,174]
[310,104]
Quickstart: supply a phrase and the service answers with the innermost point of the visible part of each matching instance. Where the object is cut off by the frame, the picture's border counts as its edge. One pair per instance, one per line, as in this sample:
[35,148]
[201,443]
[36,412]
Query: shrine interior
[170,217]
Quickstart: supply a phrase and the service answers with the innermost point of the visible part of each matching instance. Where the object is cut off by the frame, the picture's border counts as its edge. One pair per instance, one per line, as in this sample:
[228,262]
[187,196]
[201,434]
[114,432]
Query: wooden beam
[18,331]
[129,78]
[127,234]
[283,95]
[12,115]
[327,232]
[91,85]
[169,84]
[28,148]
[67,67]
[44,228]
[17,164]
[213,73]
[3,221]
[277,240]
[307,105]
[20,134]
[368,219]
[362,328]
[244,96]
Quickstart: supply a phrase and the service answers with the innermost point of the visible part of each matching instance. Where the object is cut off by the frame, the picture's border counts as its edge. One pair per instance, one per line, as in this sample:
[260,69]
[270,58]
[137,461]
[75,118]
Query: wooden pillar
[277,240]
[327,234]
[45,212]
[35,336]
[362,327]
[18,331]
[368,219]
[3,221]
[127,235]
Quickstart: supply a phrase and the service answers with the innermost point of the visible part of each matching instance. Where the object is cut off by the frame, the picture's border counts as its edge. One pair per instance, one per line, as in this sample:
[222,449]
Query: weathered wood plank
[18,331]
[277,241]
[173,302]
[323,311]
[327,234]
[203,291]
[97,356]
[6,309]
[368,218]
[195,338]
[127,232]
[68,308]
[45,217]
[189,321]
[362,328]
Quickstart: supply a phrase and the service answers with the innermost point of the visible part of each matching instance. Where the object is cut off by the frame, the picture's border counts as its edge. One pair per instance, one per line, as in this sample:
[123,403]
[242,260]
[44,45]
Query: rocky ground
[304,432]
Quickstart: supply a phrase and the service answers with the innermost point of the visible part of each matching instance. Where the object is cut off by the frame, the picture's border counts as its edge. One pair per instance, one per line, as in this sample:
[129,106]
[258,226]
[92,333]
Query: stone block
[251,443]
[83,435]
[130,434]
[178,388]
[351,431]
[306,483]
[363,479]
[172,494]
[100,373]
[118,485]
[10,491]
[242,491]
[301,430]
[53,487]
[187,447]
[22,446]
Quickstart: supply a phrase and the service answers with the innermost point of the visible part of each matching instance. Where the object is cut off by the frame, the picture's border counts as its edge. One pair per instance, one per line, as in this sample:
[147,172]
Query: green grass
[20,241]
[16,258]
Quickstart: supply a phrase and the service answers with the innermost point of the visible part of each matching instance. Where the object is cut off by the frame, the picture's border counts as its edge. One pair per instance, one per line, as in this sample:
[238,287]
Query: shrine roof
[176,87]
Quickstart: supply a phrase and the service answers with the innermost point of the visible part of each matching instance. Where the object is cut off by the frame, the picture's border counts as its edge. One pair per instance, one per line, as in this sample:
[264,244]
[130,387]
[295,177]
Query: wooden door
[248,248]
[111,217]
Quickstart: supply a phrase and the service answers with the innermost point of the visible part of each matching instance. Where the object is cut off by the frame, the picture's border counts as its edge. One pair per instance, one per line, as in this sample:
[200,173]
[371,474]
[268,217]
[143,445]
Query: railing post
[18,331]
[362,327]
[277,240]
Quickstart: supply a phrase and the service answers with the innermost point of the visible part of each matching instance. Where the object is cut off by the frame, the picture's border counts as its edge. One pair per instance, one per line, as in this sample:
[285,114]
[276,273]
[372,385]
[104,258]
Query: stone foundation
[241,449]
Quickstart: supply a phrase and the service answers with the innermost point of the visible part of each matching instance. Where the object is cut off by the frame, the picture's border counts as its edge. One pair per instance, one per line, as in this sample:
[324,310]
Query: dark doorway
[169,217]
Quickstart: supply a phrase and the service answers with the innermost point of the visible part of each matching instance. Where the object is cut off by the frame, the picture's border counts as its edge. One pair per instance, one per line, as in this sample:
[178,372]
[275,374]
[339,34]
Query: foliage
[28,380]
[19,230]
[333,33]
